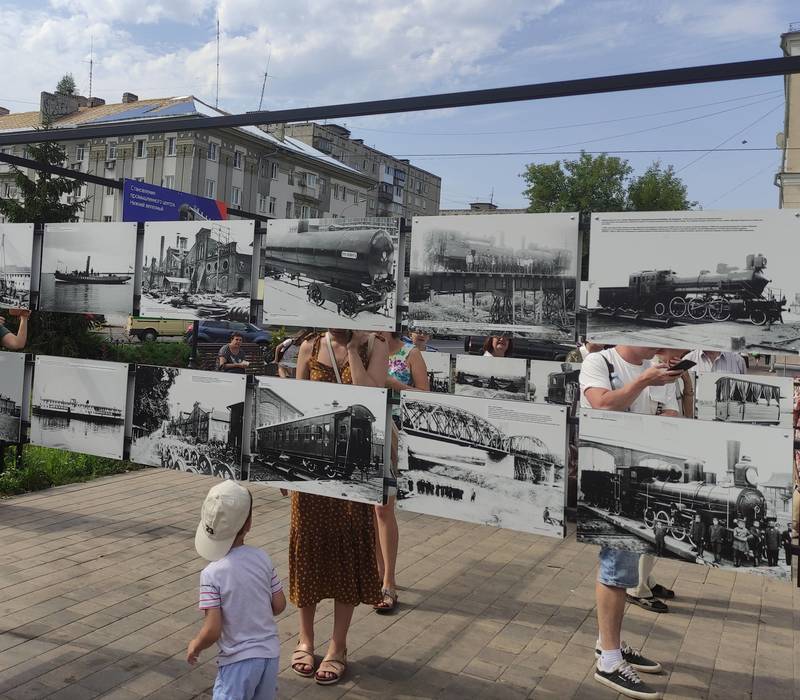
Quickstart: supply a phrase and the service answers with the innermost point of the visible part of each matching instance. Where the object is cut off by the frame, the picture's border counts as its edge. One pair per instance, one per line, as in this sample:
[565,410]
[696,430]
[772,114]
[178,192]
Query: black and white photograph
[483,461]
[712,493]
[197,270]
[88,268]
[554,382]
[332,273]
[79,405]
[479,275]
[491,377]
[189,420]
[438,365]
[720,280]
[752,399]
[16,253]
[12,377]
[325,439]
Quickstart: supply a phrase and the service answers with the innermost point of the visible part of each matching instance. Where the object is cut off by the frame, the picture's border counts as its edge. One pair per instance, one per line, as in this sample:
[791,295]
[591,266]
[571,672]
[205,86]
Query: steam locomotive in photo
[328,446]
[563,387]
[348,266]
[727,295]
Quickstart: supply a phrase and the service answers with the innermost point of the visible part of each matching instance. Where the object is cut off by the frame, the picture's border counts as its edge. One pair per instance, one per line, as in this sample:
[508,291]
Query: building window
[80,152]
[336,191]
[236,196]
[355,197]
[211,188]
[172,146]
[139,179]
[305,212]
[290,177]
[141,148]
[322,183]
[272,203]
[212,151]
[107,219]
[344,193]
[311,180]
[109,190]
[262,203]
[398,191]
[274,171]
[112,151]
[288,210]
[364,164]
[262,168]
[237,159]
[374,168]
[388,170]
[168,181]
[371,203]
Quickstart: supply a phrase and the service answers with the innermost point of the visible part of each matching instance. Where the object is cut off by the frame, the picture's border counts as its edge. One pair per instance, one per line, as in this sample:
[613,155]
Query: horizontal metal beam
[741,70]
[58,170]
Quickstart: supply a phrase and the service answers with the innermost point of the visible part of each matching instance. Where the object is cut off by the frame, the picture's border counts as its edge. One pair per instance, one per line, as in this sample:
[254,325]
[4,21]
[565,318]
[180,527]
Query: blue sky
[325,52]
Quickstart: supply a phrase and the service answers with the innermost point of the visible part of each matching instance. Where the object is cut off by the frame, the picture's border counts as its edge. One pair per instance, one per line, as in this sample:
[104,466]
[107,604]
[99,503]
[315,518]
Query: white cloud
[136,11]
[722,19]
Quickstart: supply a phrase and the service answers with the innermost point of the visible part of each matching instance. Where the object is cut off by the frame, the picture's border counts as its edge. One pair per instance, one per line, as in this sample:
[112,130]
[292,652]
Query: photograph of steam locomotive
[88,268]
[439,371]
[554,382]
[710,493]
[762,399]
[12,377]
[474,275]
[491,377]
[79,405]
[340,273]
[197,269]
[716,280]
[483,461]
[326,439]
[188,420]
[16,252]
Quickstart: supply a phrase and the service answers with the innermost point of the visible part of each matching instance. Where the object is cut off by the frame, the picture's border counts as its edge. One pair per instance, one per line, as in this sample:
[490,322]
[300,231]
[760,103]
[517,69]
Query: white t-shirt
[595,374]
[242,583]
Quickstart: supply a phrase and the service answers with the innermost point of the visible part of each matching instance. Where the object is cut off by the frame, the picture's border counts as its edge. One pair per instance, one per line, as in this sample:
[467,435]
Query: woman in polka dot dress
[332,541]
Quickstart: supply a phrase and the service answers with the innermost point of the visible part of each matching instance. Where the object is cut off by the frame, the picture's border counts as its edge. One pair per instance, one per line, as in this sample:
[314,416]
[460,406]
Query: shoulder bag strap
[332,357]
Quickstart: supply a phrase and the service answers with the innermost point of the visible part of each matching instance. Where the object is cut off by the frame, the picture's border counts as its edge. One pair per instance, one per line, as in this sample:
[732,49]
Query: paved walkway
[98,584]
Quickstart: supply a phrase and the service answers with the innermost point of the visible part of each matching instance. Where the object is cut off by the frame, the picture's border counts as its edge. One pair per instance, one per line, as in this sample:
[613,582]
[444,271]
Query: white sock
[609,659]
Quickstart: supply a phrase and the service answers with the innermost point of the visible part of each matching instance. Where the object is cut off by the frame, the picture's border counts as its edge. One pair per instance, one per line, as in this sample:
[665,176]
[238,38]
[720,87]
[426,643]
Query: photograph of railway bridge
[189,420]
[479,275]
[79,405]
[197,270]
[762,399]
[719,280]
[554,382]
[325,439]
[491,377]
[483,461]
[332,273]
[16,253]
[12,378]
[717,494]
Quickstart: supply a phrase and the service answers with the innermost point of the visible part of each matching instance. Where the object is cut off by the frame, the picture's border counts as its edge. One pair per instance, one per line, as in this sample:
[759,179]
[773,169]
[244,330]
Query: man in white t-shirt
[710,361]
[619,379]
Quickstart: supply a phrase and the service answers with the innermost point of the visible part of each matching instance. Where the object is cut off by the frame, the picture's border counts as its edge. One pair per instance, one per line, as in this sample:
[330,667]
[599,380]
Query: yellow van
[149,329]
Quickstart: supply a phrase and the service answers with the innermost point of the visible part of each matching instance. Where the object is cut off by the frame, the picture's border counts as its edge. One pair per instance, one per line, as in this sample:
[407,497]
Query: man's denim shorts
[619,568]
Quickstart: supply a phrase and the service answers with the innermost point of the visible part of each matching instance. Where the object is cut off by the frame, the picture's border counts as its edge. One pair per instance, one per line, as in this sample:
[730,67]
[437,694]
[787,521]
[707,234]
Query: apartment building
[788,179]
[260,170]
[400,189]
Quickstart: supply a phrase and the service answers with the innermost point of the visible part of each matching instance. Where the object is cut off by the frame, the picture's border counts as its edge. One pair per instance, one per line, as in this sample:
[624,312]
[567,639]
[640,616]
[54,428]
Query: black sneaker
[624,679]
[652,604]
[636,659]
[660,591]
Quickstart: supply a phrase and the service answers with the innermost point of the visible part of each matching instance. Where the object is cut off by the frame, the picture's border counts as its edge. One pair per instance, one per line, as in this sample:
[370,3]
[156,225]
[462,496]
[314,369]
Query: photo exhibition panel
[16,253]
[12,378]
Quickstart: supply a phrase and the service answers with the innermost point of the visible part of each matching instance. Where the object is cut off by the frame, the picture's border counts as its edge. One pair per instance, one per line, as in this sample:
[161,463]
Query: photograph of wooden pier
[16,252]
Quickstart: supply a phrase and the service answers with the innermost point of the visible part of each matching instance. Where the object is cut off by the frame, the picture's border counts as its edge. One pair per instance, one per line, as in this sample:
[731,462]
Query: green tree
[66,86]
[150,405]
[658,189]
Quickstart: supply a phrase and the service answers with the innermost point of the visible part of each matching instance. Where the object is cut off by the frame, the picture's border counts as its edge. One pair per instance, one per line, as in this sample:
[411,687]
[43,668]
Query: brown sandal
[387,606]
[336,667]
[303,657]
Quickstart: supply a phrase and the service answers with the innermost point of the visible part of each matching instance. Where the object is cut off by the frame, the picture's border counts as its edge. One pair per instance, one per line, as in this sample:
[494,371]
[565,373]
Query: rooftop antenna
[216,99]
[264,83]
[91,63]
[491,197]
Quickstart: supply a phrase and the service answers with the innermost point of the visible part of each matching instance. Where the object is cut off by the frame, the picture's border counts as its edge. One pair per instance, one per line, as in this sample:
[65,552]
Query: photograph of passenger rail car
[553,382]
[325,272]
[737,398]
[318,438]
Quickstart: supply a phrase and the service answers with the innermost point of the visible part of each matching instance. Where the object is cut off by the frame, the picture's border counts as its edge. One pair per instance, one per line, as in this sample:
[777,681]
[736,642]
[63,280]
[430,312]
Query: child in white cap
[240,594]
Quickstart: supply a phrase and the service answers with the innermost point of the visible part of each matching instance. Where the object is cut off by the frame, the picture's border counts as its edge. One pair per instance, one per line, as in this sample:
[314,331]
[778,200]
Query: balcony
[385,192]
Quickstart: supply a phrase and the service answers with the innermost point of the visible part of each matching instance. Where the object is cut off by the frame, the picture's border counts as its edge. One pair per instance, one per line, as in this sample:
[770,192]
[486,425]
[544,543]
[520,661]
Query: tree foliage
[658,189]
[150,405]
[66,86]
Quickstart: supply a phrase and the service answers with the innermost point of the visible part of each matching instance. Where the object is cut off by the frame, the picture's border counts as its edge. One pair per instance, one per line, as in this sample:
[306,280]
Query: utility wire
[770,166]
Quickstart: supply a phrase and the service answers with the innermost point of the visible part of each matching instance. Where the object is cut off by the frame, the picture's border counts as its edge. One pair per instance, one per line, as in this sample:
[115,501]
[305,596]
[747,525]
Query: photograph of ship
[554,382]
[707,492]
[491,377]
[16,252]
[340,273]
[79,405]
[88,268]
[197,270]
[12,376]
[716,280]
[478,275]
[761,399]
[483,461]
[439,374]
[319,438]
[188,420]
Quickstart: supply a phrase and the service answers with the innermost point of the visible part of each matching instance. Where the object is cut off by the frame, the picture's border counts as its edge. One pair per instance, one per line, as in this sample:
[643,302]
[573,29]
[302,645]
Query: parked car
[526,348]
[220,331]
[149,329]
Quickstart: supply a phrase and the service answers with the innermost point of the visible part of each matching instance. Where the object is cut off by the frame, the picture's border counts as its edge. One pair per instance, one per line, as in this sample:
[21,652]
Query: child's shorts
[619,568]
[251,679]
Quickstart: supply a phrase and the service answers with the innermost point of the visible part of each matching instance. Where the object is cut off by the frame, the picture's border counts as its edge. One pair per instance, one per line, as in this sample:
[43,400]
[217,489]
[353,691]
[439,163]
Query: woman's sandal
[336,667]
[303,657]
[389,603]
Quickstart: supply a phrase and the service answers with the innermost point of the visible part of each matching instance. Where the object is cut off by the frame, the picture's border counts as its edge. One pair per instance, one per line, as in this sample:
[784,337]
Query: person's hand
[659,375]
[357,339]
[2,320]
[20,313]
[245,363]
[192,653]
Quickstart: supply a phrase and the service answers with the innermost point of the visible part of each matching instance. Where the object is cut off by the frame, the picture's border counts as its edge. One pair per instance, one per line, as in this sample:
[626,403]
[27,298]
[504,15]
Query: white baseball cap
[224,512]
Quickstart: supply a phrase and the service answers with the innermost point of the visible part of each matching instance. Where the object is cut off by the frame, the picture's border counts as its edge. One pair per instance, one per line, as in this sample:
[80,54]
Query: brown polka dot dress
[332,541]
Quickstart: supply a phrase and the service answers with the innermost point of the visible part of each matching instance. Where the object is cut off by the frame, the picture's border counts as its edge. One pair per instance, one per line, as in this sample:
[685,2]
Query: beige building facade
[788,179]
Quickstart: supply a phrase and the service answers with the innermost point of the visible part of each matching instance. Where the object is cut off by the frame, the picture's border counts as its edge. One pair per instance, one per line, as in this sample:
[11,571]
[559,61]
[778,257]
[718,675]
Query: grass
[43,467]
[160,354]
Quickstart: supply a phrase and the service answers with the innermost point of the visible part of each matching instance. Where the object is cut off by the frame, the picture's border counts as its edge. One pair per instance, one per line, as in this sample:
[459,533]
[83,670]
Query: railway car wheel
[679,532]
[315,294]
[649,517]
[719,310]
[758,317]
[180,464]
[659,308]
[697,310]
[349,307]
[677,306]
[205,465]
[223,471]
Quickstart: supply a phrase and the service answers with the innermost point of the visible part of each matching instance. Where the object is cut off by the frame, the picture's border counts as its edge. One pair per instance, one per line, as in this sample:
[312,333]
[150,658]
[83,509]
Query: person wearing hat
[786,540]
[772,541]
[240,595]
[740,543]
